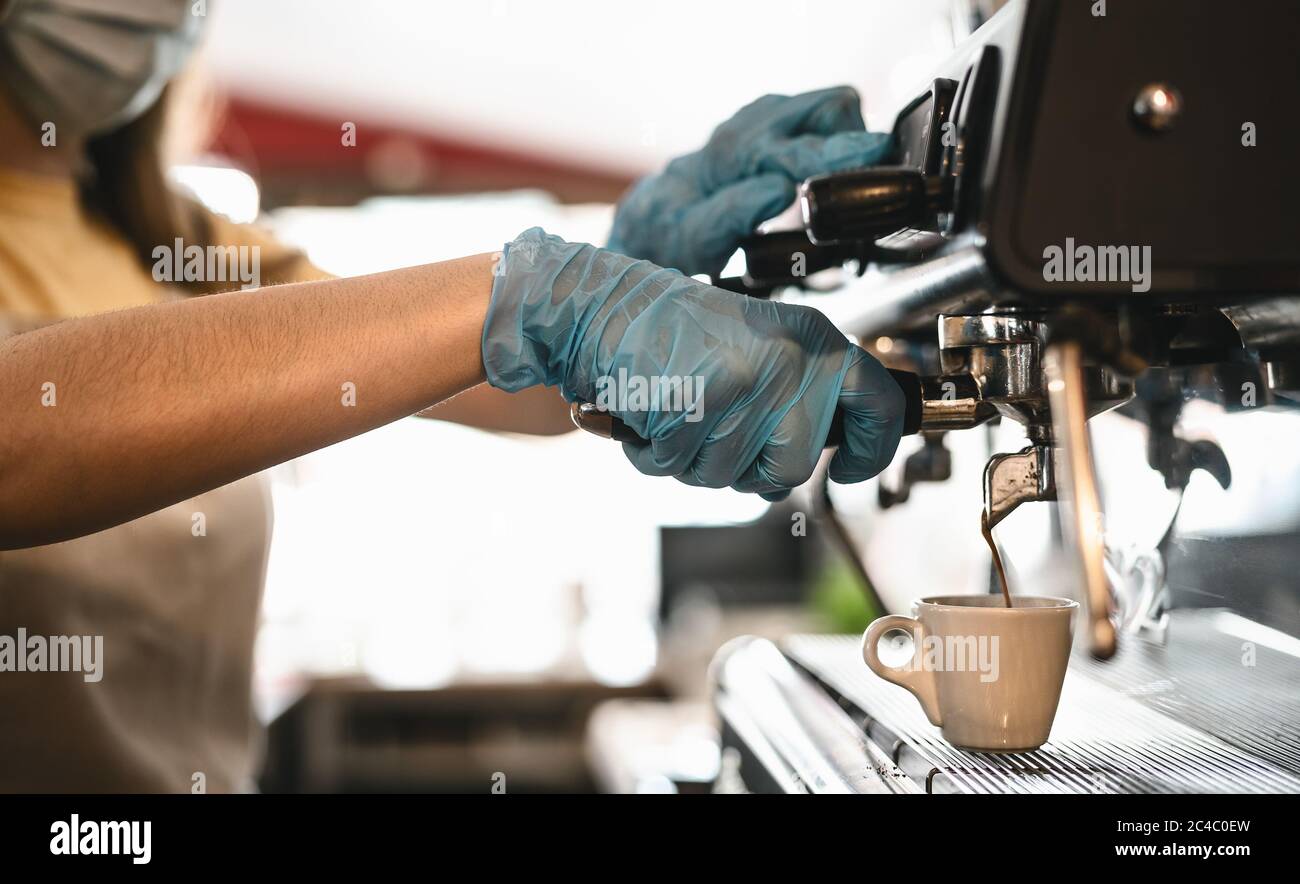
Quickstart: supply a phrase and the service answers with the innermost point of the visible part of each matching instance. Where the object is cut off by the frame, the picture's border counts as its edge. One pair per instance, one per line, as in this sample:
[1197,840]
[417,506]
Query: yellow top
[58,260]
[174,595]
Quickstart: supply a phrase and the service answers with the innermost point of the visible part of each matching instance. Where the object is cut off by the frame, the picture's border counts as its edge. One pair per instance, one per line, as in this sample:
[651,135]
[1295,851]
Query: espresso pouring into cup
[987,675]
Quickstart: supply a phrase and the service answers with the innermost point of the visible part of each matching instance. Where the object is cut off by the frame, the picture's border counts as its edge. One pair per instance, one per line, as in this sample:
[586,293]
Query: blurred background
[453,609]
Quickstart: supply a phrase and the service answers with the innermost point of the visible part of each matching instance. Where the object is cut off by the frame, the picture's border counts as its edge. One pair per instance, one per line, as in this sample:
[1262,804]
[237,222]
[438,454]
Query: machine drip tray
[1215,710]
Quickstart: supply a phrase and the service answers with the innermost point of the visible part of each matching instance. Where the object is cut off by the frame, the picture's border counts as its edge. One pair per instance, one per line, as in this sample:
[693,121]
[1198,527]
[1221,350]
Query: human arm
[113,416]
[537,411]
[153,405]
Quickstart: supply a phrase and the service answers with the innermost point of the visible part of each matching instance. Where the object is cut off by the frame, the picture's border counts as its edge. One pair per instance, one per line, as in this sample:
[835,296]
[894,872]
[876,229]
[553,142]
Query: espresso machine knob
[869,203]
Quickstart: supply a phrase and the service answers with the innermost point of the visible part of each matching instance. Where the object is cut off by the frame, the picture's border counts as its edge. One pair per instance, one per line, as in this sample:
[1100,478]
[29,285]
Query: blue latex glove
[757,382]
[694,214]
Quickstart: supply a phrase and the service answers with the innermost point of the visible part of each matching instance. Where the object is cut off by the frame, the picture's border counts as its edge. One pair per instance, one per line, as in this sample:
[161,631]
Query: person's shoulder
[279,262]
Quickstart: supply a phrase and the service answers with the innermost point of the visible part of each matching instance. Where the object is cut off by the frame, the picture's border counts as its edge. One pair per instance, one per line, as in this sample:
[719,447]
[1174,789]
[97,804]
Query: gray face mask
[89,66]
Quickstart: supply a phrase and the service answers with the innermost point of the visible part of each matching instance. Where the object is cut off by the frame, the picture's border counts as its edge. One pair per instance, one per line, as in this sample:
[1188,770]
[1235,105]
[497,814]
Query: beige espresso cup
[989,676]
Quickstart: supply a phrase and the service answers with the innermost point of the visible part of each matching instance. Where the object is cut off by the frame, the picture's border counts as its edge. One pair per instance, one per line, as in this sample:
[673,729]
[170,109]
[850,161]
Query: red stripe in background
[299,158]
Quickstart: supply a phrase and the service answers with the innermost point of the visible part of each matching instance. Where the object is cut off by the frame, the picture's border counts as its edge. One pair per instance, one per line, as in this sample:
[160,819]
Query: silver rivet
[1157,107]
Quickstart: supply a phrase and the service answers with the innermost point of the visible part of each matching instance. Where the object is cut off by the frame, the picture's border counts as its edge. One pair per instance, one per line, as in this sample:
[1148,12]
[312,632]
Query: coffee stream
[987,531]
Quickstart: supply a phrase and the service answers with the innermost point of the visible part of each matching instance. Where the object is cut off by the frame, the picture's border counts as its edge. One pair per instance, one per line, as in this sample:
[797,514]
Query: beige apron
[177,612]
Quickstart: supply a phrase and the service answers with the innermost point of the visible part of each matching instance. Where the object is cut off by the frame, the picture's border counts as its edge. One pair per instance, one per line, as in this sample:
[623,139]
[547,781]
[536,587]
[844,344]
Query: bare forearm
[537,411]
[109,417]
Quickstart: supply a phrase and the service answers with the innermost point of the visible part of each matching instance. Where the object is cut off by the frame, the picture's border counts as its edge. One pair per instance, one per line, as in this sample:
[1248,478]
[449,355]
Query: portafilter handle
[597,421]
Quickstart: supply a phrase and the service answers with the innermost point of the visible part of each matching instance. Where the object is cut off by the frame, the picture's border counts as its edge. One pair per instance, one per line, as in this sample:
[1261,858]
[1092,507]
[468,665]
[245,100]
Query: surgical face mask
[90,66]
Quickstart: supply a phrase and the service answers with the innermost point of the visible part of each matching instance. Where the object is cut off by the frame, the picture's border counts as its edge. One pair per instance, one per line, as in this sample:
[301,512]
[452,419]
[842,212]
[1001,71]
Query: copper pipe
[1076,483]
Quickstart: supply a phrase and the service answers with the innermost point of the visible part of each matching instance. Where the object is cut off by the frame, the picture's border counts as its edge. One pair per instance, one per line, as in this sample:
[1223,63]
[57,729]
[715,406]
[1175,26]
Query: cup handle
[917,680]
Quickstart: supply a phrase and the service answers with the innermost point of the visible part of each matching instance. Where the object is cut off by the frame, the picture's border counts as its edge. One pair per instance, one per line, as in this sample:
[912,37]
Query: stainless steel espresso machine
[1087,212]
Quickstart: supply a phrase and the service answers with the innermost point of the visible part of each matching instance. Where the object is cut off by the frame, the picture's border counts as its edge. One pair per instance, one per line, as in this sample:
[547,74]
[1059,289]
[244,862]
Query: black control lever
[788,256]
[844,213]
[869,203]
[594,420]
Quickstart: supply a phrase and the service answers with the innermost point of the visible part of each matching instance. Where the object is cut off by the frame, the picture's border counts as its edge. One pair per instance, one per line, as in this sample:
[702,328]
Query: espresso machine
[1091,208]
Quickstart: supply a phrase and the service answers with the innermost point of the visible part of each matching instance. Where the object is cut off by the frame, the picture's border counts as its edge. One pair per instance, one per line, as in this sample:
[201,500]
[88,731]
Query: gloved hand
[735,391]
[694,214]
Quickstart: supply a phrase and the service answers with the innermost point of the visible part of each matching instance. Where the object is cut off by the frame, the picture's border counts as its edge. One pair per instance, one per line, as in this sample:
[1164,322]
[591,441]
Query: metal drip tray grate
[1153,720]
[1208,678]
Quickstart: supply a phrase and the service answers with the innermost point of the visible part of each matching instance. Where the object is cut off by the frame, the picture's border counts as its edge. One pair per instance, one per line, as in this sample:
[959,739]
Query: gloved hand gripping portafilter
[595,420]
